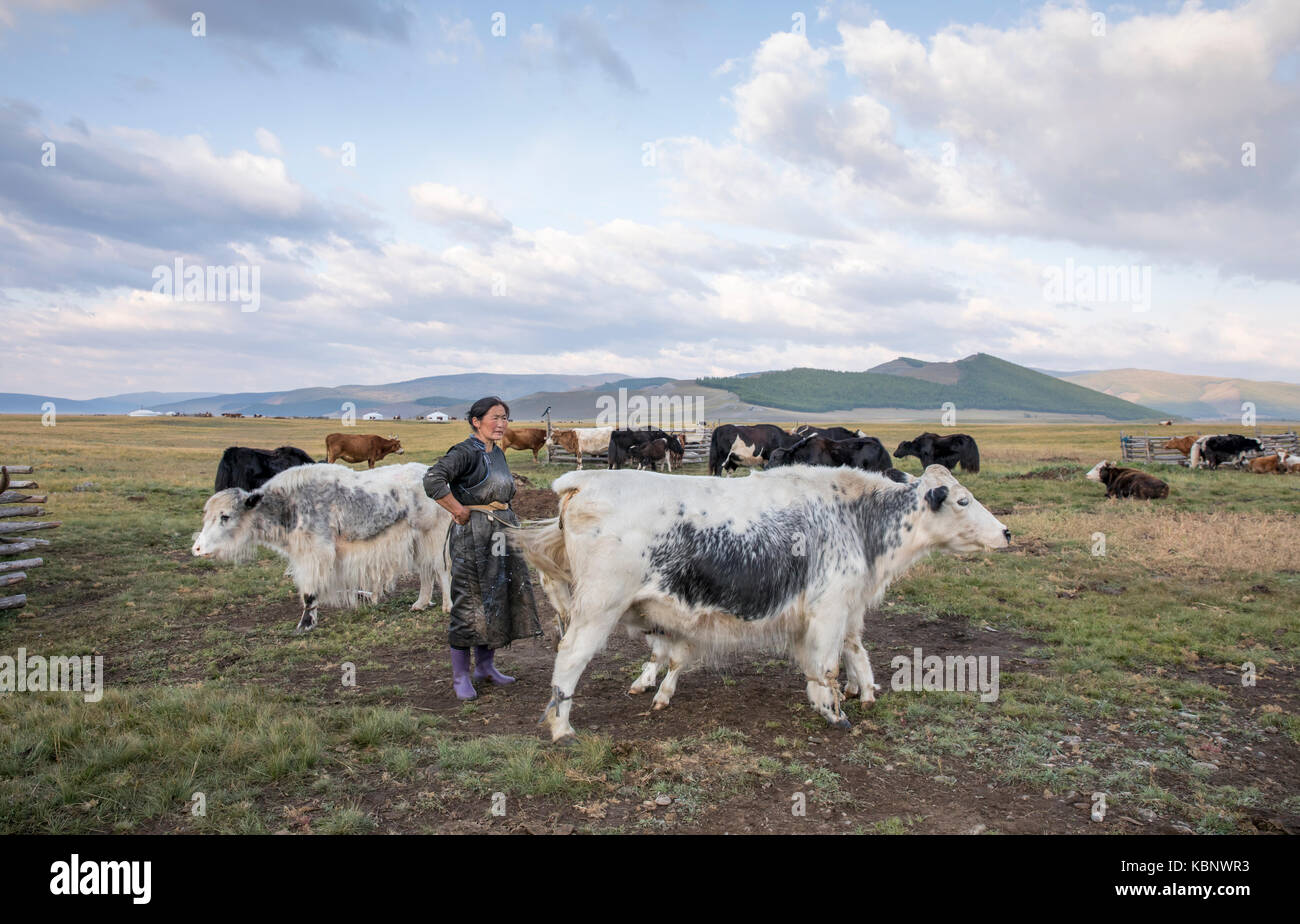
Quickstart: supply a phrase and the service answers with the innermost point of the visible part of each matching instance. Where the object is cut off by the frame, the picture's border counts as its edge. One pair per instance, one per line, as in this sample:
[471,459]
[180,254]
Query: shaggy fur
[346,534]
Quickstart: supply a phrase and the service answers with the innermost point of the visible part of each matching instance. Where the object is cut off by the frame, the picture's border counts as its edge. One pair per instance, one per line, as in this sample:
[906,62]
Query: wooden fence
[1147,448]
[696,445]
[15,506]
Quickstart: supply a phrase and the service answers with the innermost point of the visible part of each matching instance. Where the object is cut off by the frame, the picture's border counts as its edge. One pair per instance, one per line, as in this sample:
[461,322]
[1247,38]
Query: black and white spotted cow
[347,533]
[1218,449]
[733,446]
[830,433]
[792,558]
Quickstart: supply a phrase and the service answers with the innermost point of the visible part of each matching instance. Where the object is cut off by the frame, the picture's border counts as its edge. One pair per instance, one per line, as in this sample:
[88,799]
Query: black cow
[733,446]
[241,467]
[649,453]
[622,441]
[831,433]
[1228,447]
[933,449]
[866,453]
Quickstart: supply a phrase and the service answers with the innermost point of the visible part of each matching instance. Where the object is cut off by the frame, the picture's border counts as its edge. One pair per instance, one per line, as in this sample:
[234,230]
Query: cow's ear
[252,500]
[936,496]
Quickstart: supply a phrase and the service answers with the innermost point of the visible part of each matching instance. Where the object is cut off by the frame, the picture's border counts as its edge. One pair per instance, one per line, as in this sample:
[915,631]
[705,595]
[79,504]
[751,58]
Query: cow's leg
[860,680]
[679,659]
[370,463]
[819,656]
[591,623]
[309,619]
[650,669]
[426,587]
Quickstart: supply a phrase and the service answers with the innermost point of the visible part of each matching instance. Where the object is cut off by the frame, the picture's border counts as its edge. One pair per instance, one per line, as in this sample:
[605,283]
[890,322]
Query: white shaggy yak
[792,558]
[346,533]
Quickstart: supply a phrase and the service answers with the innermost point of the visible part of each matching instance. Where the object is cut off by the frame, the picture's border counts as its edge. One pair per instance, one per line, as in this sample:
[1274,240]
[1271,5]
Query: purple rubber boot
[486,670]
[460,681]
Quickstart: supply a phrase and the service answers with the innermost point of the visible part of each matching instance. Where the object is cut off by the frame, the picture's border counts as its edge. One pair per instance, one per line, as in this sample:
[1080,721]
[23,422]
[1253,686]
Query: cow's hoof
[303,630]
[660,704]
[841,722]
[416,607]
[850,689]
[634,690]
[568,740]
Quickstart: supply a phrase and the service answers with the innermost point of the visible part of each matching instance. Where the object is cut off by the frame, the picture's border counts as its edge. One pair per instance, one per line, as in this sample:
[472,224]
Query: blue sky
[893,178]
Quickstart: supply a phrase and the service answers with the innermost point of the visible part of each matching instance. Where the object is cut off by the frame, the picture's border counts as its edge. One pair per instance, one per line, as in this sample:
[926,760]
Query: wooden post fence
[16,505]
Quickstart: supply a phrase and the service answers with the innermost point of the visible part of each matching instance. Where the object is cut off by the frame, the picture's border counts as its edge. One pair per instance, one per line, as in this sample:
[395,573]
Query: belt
[490,510]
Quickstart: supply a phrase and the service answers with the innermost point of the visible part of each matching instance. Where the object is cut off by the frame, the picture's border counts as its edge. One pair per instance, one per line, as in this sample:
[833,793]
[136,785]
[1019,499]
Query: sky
[651,188]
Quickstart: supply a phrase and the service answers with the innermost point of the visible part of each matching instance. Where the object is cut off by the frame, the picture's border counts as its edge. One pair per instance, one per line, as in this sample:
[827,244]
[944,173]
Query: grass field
[1120,672]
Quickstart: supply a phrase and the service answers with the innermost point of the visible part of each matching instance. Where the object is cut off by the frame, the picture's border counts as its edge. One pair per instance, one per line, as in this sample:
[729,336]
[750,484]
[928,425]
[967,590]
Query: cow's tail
[970,457]
[542,545]
[715,460]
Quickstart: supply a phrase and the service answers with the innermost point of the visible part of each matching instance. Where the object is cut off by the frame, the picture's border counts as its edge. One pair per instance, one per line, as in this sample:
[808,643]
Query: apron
[491,593]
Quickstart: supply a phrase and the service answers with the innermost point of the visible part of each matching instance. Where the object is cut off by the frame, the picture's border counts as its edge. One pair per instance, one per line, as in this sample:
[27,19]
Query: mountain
[979,382]
[113,404]
[414,397]
[1200,397]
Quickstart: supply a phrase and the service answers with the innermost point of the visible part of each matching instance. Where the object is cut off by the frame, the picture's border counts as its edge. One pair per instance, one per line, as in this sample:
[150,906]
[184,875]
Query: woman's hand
[459,512]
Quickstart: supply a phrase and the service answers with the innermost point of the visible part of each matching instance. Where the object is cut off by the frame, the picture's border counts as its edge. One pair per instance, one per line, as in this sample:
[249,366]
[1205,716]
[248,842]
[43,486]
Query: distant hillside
[409,398]
[979,381]
[112,404]
[1199,397]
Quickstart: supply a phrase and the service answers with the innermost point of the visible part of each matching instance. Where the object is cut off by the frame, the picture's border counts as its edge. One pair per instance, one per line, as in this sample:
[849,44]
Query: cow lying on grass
[346,533]
[792,558]
[1127,482]
[1266,465]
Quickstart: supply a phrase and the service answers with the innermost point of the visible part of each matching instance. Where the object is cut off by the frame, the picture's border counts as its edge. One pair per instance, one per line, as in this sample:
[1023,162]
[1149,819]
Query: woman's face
[492,426]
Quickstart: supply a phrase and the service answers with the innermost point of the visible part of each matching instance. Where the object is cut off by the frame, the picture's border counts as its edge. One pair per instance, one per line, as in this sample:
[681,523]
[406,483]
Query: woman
[491,595]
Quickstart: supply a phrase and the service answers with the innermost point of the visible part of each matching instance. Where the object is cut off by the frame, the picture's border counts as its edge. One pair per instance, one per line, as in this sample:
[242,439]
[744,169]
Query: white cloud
[446,205]
[269,144]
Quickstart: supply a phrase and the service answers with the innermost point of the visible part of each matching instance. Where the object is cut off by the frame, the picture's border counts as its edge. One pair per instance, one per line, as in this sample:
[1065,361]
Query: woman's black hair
[480,408]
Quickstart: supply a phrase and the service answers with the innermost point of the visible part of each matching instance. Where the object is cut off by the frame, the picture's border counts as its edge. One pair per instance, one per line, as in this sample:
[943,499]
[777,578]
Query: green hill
[982,381]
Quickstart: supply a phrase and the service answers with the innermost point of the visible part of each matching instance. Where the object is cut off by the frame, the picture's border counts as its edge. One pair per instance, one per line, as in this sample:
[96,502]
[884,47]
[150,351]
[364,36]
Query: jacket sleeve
[439,477]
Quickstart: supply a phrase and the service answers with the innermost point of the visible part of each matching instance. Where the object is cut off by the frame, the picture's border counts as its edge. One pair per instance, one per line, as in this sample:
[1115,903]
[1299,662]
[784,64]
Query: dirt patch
[535,503]
[1050,473]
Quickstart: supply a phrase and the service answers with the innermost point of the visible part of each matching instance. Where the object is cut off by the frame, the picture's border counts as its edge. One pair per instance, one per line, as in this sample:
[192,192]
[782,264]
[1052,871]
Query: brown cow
[1183,444]
[1128,482]
[360,447]
[1265,465]
[529,438]
[647,454]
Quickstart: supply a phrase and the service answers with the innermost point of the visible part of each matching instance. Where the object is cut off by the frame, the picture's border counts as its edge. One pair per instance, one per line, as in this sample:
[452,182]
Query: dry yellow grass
[1176,541]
